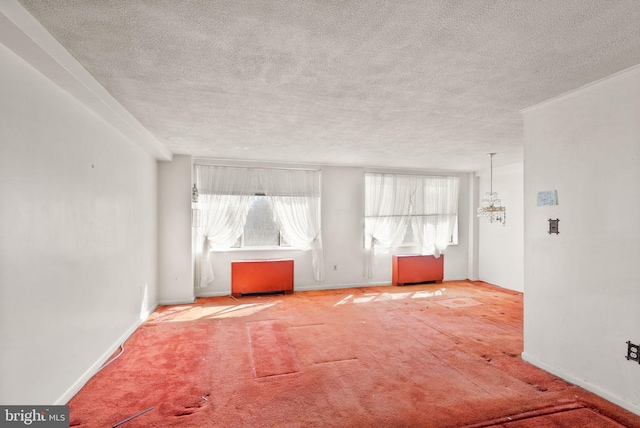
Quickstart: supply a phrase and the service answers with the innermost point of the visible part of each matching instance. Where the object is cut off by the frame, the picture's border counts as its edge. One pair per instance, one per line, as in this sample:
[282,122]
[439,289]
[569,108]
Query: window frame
[453,240]
[240,246]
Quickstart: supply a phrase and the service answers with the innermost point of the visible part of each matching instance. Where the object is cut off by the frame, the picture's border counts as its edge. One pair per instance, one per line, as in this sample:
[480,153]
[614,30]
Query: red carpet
[264,338]
[433,355]
[163,366]
[561,416]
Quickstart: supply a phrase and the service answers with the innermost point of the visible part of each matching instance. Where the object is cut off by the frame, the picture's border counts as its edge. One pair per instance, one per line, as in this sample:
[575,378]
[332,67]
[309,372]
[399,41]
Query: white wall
[78,238]
[501,248]
[342,234]
[175,272]
[582,287]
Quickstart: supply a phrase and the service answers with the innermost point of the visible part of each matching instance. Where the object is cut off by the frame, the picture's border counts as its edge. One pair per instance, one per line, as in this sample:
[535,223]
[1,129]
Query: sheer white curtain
[435,213]
[393,202]
[294,199]
[225,194]
[387,209]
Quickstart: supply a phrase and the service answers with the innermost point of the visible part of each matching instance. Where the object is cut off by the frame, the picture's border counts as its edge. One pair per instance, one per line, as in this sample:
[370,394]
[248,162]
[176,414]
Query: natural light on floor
[193,312]
[377,297]
[239,309]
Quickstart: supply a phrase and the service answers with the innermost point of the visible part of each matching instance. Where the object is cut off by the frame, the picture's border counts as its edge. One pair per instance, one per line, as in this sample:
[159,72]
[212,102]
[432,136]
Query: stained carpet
[431,355]
[271,353]
[560,416]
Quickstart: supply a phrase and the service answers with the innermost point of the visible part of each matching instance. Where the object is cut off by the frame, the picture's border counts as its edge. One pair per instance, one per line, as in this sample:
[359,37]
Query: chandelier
[491,209]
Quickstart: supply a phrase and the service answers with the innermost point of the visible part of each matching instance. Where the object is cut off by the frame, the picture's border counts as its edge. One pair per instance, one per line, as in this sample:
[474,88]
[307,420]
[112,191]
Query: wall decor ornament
[194,194]
[547,198]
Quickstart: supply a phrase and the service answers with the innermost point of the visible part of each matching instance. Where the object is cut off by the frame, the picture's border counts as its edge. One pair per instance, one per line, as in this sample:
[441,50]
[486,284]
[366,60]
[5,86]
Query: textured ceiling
[433,84]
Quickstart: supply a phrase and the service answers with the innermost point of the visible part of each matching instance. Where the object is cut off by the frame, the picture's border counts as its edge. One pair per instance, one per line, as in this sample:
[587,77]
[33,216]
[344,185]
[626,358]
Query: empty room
[308,213]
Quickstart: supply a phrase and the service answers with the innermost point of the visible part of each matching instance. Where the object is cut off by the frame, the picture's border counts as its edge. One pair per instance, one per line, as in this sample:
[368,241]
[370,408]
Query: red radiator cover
[413,269]
[261,276]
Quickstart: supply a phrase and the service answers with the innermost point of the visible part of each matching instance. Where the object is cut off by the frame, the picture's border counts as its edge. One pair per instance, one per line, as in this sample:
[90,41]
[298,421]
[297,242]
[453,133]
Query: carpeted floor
[430,355]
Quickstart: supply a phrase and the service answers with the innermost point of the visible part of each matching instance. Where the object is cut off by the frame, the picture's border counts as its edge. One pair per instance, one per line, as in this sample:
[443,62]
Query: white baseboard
[582,383]
[73,390]
[147,314]
[214,294]
[455,279]
[338,286]
[176,302]
[303,288]
[315,288]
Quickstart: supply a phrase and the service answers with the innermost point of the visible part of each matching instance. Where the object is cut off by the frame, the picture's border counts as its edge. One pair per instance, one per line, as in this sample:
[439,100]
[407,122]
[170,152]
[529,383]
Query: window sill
[250,249]
[416,245]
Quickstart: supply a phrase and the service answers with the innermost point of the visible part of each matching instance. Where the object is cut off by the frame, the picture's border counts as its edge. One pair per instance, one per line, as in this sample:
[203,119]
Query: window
[411,241]
[409,210]
[259,206]
[260,230]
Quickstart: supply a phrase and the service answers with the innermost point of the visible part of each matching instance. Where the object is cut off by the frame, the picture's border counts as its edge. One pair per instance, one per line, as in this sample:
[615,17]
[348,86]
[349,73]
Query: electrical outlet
[632,352]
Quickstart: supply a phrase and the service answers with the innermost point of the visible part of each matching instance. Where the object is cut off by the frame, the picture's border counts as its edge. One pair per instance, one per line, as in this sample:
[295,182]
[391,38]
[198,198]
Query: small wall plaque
[548,197]
[553,226]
